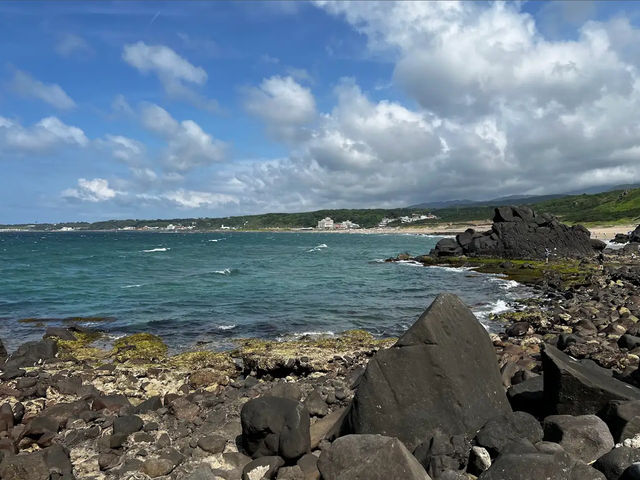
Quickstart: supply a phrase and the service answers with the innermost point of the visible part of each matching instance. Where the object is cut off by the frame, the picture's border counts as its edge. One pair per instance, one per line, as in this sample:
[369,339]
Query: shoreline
[603,232]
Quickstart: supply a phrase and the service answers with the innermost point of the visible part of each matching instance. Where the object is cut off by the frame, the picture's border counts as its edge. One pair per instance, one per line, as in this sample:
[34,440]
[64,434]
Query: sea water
[208,288]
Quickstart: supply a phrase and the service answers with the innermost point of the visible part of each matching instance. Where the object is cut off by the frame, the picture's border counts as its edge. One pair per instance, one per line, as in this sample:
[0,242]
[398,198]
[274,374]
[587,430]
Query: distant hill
[521,199]
[616,206]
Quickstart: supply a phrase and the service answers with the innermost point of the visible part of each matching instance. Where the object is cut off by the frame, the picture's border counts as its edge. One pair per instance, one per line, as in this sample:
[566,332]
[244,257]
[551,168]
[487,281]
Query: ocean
[205,289]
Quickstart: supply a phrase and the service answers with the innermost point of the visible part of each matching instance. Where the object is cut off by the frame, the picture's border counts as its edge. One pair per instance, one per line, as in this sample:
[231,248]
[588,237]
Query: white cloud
[194,199]
[283,104]
[69,44]
[94,190]
[124,148]
[24,84]
[46,135]
[164,62]
[176,73]
[188,145]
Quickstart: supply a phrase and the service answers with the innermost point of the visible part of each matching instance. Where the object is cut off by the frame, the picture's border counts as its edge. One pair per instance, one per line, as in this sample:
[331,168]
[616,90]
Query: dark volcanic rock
[528,395]
[274,426]
[127,425]
[623,419]
[263,468]
[369,457]
[443,452]
[441,374]
[585,437]
[573,388]
[37,465]
[499,432]
[537,465]
[518,232]
[615,462]
[32,353]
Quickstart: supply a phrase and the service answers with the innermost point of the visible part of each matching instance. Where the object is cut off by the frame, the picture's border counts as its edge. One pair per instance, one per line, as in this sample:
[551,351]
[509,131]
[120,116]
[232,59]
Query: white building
[326,223]
[347,224]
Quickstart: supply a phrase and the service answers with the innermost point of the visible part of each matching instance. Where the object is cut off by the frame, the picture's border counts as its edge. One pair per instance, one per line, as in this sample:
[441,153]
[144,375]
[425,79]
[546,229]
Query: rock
[518,329]
[316,405]
[528,396]
[585,437]
[183,409]
[32,353]
[537,466]
[518,232]
[107,461]
[273,426]
[202,472]
[291,473]
[575,389]
[112,403]
[150,404]
[38,465]
[3,351]
[157,467]
[351,458]
[212,443]
[441,374]
[327,428]
[286,390]
[443,452]
[6,417]
[631,473]
[499,432]
[207,377]
[479,460]
[615,462]
[127,425]
[262,468]
[309,465]
[629,341]
[60,333]
[623,419]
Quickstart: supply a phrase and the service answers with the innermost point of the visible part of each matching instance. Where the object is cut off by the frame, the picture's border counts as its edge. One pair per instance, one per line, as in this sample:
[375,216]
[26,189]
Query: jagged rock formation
[518,232]
[441,374]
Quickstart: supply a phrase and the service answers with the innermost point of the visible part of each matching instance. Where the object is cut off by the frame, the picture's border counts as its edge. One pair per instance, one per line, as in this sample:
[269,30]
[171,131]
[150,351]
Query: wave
[505,283]
[452,269]
[317,248]
[215,239]
[299,335]
[413,263]
[162,249]
[432,235]
[226,327]
[485,312]
[135,285]
[226,271]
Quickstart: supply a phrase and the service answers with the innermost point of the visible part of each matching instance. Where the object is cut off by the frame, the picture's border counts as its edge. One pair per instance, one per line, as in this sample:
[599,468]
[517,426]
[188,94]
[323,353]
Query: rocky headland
[556,395]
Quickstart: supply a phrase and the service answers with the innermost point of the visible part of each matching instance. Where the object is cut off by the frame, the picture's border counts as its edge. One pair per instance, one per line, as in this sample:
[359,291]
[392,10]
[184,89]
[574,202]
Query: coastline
[604,232]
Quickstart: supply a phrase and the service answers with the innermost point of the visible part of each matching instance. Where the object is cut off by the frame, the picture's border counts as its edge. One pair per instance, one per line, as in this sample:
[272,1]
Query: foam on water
[135,285]
[317,248]
[161,249]
[226,271]
[226,327]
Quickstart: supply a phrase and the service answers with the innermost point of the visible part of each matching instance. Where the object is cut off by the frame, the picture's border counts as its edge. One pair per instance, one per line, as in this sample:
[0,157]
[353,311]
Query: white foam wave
[215,240]
[317,248]
[312,333]
[135,285]
[505,284]
[226,327]
[412,263]
[226,271]
[431,235]
[162,249]
[452,269]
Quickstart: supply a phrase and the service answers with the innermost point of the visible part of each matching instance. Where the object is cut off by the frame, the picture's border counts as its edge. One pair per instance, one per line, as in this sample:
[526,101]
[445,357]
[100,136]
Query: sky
[206,109]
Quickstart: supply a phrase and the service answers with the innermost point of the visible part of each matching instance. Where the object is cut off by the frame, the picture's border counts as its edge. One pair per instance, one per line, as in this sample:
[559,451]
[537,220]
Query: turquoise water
[207,288]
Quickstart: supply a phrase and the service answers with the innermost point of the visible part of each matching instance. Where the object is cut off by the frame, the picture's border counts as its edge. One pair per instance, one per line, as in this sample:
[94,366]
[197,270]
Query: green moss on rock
[139,347]
[80,349]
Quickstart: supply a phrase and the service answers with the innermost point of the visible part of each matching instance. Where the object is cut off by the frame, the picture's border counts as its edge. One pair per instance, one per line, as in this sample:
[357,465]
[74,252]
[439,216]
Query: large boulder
[623,419]
[441,374]
[499,432]
[369,457]
[274,426]
[518,232]
[32,353]
[575,388]
[539,465]
[614,463]
[585,437]
[38,465]
[443,453]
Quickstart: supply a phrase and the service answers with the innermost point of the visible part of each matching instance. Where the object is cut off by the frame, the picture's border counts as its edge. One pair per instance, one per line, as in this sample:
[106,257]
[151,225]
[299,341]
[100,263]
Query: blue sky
[141,110]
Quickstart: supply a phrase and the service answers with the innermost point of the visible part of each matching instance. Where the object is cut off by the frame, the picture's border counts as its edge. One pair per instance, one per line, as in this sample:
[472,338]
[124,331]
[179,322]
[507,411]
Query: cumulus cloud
[283,104]
[46,135]
[194,199]
[51,93]
[499,109]
[188,145]
[94,190]
[176,73]
[123,148]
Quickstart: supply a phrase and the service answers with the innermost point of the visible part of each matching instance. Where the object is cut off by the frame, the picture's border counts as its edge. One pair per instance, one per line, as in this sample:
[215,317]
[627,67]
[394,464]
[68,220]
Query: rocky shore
[554,396]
